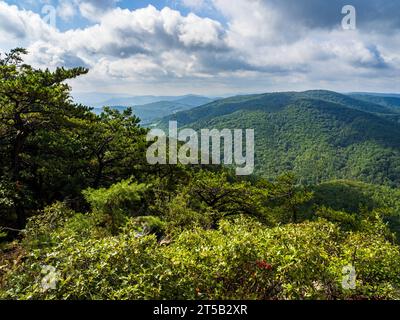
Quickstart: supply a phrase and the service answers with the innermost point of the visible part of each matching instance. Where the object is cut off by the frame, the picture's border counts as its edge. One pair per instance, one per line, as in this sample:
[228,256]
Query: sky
[209,47]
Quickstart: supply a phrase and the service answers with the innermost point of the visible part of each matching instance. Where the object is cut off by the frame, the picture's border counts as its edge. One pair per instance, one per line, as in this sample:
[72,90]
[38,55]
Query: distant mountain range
[320,135]
[376,94]
[99,100]
[151,108]
[161,107]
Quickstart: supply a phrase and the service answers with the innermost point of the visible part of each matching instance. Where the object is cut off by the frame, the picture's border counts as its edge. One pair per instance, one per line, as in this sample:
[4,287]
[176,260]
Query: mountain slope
[348,101]
[193,100]
[390,102]
[318,139]
[149,112]
[270,102]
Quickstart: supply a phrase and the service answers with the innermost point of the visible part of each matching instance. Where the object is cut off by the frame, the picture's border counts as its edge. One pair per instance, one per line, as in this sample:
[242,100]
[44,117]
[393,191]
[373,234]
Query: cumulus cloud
[21,25]
[372,14]
[95,9]
[266,44]
[145,33]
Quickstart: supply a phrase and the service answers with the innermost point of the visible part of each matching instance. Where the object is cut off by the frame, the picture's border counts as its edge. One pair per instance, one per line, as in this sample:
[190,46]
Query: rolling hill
[149,112]
[387,101]
[320,135]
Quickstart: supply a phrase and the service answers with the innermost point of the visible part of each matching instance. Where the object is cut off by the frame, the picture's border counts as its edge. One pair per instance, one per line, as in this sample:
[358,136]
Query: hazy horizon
[92,99]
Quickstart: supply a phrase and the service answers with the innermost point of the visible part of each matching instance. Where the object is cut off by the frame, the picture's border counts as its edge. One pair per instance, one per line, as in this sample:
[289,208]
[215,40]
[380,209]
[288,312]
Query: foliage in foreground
[241,259]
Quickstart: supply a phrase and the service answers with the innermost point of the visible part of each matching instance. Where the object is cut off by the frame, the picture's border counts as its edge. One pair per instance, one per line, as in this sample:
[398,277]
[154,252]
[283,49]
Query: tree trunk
[99,174]
[21,214]
[16,171]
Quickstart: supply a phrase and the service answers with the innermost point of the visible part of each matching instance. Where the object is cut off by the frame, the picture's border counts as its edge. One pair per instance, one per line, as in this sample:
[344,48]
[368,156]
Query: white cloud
[95,9]
[20,27]
[66,10]
[200,32]
[257,49]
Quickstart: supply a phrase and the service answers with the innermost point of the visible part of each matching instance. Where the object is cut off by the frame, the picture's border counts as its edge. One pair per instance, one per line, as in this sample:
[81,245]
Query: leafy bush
[118,202]
[40,227]
[242,259]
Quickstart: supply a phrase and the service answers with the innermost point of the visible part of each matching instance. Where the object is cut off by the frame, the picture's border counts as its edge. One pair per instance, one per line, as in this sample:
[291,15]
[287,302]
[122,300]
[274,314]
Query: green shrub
[118,202]
[243,259]
[40,227]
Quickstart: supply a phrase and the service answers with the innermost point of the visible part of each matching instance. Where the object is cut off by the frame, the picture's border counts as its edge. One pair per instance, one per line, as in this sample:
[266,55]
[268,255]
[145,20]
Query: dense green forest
[387,101]
[318,135]
[83,216]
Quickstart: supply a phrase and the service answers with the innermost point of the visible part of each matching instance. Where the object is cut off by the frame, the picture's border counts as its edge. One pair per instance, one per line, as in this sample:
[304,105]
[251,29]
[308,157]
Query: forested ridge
[319,135]
[84,216]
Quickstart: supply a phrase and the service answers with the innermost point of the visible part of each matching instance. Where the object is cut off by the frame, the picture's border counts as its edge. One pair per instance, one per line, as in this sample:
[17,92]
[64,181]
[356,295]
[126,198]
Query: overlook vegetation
[78,197]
